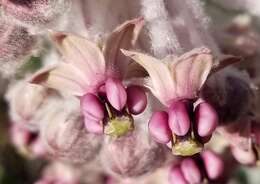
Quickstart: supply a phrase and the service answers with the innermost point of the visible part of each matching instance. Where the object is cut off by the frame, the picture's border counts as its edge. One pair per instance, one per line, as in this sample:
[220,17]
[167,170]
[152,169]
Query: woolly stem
[164,41]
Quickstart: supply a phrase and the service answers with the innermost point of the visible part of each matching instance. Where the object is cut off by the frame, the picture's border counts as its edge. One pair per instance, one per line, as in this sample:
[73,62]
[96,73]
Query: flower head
[175,78]
[95,73]
[176,82]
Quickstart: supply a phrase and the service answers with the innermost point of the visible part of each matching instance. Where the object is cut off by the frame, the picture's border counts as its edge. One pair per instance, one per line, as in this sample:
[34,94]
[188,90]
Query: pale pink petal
[162,84]
[190,72]
[123,37]
[85,55]
[176,78]
[63,78]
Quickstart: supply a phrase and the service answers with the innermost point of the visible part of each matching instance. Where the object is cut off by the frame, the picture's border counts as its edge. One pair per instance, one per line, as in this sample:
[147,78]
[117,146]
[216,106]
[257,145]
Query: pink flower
[95,72]
[176,82]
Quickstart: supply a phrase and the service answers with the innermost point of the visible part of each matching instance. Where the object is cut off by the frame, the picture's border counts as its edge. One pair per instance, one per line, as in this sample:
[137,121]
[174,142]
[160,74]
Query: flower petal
[63,78]
[124,36]
[176,78]
[162,84]
[190,71]
[81,53]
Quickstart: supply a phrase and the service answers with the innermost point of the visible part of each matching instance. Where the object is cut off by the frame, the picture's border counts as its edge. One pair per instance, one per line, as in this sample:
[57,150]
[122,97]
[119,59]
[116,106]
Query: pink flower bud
[179,119]
[213,164]
[131,155]
[176,176]
[64,134]
[159,127]
[136,99]
[91,107]
[34,12]
[190,171]
[116,93]
[26,102]
[206,119]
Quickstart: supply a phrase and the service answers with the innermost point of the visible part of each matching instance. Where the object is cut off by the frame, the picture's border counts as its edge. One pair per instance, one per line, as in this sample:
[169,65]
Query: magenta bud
[136,99]
[176,176]
[116,93]
[159,128]
[179,120]
[93,126]
[91,107]
[206,119]
[190,171]
[213,164]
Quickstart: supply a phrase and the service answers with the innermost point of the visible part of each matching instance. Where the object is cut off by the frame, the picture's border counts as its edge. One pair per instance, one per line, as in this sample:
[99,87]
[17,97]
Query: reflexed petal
[82,71]
[190,71]
[81,53]
[173,77]
[163,86]
[124,36]
[63,78]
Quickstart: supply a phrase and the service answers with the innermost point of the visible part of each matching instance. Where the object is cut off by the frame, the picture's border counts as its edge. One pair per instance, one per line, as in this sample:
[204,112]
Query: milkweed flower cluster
[131,96]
